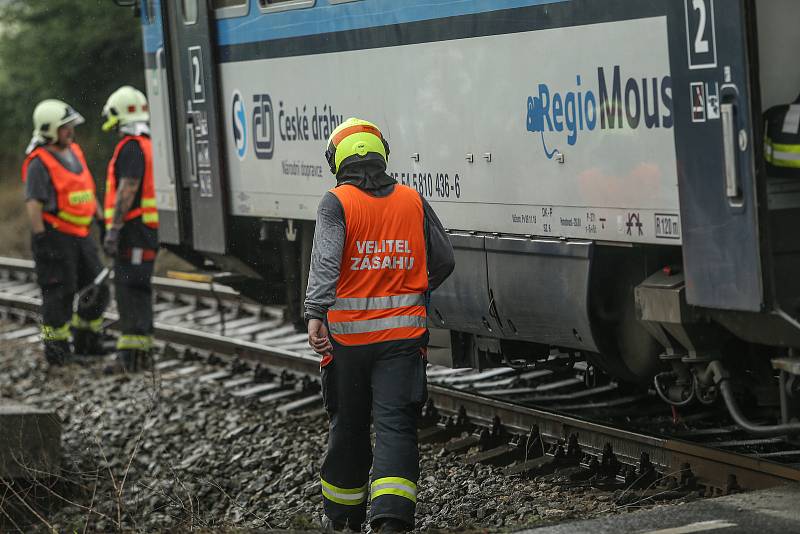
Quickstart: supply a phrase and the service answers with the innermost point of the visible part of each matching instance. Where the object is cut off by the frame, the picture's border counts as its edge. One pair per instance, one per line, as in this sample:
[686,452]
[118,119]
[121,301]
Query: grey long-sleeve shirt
[326,256]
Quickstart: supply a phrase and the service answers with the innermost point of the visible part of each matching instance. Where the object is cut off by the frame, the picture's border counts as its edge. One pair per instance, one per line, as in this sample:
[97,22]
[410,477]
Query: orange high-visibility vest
[380,295]
[75,194]
[147,205]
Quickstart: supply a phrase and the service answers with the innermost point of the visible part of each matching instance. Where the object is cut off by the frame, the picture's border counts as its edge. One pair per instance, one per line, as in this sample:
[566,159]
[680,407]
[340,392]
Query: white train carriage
[598,163]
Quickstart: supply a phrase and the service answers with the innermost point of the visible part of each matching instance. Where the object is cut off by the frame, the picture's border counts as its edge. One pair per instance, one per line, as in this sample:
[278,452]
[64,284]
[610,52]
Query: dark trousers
[64,264]
[387,382]
[134,293]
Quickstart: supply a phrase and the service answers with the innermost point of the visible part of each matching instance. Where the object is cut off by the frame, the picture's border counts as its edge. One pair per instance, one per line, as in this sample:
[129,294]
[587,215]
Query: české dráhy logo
[239,124]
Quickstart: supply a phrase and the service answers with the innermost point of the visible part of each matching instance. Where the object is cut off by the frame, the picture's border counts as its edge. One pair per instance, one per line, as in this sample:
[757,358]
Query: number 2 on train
[196,65]
[700,34]
[700,43]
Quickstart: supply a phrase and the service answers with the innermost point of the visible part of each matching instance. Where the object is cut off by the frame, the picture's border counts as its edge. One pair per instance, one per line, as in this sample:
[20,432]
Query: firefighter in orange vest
[378,251]
[131,224]
[60,201]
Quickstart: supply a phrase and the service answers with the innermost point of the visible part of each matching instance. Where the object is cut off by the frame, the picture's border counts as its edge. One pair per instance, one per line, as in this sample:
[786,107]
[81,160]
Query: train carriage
[599,164]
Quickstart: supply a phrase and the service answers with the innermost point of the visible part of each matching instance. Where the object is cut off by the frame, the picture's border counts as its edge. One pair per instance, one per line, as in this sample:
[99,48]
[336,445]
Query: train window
[283,5]
[189,10]
[224,9]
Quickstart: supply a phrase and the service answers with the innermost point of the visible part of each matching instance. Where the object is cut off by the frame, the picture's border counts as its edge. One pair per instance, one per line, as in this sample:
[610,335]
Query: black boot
[330,526]
[87,343]
[79,340]
[57,352]
[124,361]
[389,525]
[94,344]
[144,360]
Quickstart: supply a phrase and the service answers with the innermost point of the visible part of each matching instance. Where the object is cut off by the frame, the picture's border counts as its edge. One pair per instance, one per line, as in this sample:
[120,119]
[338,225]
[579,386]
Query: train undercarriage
[673,266]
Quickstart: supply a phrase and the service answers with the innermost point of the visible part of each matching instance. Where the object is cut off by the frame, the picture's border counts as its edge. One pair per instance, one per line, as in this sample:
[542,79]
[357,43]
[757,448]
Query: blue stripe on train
[152,34]
[325,18]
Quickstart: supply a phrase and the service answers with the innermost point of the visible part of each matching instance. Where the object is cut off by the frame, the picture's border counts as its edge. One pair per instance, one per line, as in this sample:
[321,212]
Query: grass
[15,230]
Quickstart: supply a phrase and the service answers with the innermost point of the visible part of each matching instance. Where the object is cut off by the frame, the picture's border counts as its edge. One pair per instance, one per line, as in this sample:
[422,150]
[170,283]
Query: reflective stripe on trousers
[345,496]
[785,159]
[95,325]
[55,333]
[782,155]
[129,342]
[402,487]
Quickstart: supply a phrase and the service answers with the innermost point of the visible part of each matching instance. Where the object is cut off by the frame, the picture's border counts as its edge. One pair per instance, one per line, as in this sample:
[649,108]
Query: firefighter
[378,251]
[782,140]
[60,201]
[131,221]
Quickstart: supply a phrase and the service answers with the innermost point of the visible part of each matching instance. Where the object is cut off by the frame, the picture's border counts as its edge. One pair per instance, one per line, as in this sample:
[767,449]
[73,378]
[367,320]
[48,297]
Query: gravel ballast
[161,451]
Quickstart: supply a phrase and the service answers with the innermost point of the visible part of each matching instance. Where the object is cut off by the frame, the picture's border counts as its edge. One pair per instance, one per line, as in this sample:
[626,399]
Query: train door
[158,89]
[716,132]
[194,100]
[164,159]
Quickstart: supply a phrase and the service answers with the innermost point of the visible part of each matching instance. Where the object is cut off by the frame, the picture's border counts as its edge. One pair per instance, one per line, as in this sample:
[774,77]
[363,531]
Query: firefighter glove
[44,249]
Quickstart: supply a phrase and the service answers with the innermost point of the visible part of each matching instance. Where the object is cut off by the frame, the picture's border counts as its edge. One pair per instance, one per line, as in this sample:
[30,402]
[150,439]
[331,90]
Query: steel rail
[160,283]
[713,467]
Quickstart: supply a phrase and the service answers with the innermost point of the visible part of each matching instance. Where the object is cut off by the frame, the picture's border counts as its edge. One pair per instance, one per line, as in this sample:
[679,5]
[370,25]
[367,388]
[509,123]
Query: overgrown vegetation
[14,226]
[78,52]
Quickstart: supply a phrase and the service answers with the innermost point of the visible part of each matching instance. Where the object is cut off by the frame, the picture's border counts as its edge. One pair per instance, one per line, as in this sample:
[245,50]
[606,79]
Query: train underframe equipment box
[600,166]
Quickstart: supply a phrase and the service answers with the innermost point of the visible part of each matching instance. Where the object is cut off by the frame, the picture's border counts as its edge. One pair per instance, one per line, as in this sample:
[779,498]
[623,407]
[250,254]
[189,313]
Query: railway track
[553,419]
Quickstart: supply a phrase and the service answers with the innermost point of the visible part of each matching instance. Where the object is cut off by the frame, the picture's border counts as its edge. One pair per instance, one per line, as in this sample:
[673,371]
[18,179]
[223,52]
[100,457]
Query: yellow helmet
[353,141]
[125,105]
[48,116]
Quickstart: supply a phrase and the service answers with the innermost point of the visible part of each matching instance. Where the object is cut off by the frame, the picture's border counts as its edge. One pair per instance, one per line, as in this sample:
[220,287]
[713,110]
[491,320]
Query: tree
[79,51]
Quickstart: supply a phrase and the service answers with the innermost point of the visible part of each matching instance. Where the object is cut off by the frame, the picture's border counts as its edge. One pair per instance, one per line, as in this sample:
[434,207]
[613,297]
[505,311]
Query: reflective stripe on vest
[75,195]
[782,155]
[378,303]
[147,205]
[376,325]
[380,295]
[77,220]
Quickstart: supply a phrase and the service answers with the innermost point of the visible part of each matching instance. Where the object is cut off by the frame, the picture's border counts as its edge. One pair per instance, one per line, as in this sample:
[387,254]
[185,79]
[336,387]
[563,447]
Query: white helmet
[48,116]
[125,106]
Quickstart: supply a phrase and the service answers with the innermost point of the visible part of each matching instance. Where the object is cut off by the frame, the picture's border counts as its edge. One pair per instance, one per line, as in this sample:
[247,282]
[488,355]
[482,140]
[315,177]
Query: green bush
[77,51]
